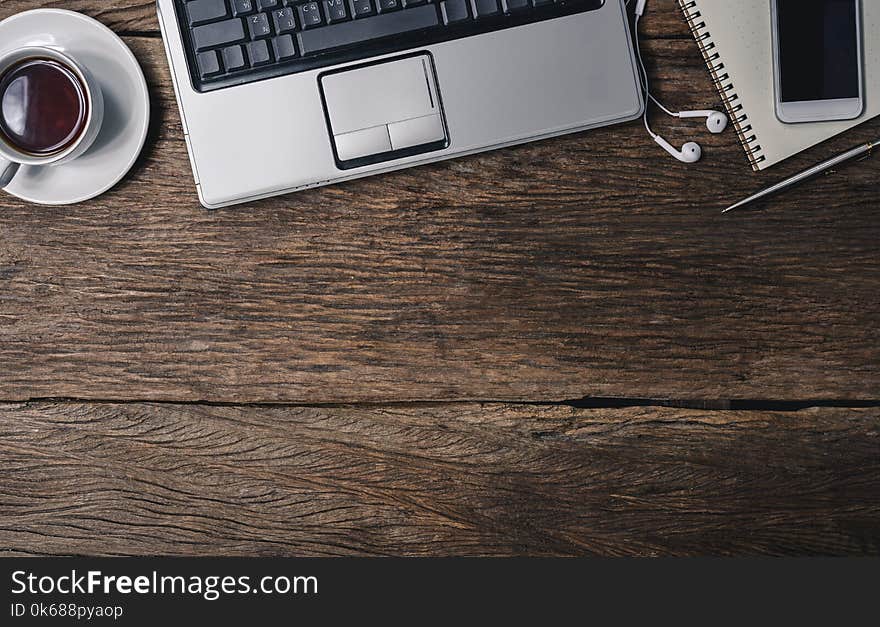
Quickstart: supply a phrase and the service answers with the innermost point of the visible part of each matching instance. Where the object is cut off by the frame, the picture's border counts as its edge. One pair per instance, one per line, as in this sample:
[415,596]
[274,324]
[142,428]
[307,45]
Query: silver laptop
[278,96]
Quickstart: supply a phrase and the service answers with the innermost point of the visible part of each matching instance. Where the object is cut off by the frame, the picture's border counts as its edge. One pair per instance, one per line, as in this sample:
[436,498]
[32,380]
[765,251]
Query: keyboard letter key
[284,20]
[388,5]
[259,26]
[309,15]
[361,8]
[242,7]
[335,11]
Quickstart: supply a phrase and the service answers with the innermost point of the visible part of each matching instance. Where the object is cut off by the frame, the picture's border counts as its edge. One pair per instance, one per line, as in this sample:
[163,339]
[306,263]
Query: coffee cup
[51,109]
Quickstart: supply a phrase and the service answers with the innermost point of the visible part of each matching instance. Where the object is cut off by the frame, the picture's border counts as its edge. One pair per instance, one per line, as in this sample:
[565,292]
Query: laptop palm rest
[384,111]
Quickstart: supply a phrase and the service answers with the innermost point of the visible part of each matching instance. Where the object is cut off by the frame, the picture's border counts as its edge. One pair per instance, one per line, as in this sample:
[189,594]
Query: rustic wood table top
[555,349]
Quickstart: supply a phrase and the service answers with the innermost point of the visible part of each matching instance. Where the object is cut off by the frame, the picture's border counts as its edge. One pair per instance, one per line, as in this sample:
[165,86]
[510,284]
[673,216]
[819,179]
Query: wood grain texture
[586,265]
[442,479]
[123,16]
[589,265]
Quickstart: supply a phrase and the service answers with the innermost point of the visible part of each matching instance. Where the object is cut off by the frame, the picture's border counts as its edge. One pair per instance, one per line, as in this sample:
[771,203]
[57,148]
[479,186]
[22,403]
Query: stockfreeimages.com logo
[209,587]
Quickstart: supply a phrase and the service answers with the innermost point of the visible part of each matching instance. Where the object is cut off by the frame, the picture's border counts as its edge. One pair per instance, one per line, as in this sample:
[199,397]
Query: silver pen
[855,153]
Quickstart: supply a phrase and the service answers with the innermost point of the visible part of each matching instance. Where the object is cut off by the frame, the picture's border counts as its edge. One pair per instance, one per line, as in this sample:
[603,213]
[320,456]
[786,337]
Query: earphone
[689,153]
[716,121]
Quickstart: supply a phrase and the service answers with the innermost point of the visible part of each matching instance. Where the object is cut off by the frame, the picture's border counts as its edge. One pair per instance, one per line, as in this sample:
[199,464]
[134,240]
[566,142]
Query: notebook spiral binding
[723,83]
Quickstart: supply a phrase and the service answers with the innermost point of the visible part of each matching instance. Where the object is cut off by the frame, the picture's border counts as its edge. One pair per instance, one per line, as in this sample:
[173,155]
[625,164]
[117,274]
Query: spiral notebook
[736,41]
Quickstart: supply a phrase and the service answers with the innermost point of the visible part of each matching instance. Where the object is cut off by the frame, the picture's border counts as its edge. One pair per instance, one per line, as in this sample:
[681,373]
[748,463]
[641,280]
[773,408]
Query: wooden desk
[555,349]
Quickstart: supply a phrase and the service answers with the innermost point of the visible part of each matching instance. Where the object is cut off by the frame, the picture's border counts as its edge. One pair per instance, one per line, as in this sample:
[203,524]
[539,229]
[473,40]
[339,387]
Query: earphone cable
[644,72]
[644,77]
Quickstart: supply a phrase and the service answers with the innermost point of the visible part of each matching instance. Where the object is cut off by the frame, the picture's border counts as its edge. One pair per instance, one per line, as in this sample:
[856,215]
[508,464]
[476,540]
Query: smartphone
[817,54]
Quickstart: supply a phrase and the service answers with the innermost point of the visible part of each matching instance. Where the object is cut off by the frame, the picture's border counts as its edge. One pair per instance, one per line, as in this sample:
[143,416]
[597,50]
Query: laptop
[278,96]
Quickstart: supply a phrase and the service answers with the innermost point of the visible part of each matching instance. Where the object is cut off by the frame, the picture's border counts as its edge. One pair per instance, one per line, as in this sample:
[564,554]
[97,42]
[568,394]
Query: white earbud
[689,153]
[716,121]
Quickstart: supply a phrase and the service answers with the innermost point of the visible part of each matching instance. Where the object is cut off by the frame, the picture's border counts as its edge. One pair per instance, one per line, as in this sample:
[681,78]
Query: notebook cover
[736,41]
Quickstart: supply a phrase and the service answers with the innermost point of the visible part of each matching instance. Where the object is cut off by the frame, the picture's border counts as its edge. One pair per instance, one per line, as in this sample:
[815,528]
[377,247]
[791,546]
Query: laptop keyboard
[231,42]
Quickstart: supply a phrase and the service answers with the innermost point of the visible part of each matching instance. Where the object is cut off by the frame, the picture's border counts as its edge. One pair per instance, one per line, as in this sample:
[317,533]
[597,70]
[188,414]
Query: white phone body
[794,112]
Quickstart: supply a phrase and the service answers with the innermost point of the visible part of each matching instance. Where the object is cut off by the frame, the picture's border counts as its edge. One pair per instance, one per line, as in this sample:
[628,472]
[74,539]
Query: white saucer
[127,105]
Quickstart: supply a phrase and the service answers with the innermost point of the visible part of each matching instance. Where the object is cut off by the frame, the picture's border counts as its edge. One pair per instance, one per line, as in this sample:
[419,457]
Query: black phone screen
[818,49]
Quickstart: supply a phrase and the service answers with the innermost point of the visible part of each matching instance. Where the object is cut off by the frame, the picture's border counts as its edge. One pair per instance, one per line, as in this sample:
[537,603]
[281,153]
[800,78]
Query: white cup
[11,158]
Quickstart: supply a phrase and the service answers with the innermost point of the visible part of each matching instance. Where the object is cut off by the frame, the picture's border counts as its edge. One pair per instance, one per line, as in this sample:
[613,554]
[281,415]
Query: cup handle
[8,170]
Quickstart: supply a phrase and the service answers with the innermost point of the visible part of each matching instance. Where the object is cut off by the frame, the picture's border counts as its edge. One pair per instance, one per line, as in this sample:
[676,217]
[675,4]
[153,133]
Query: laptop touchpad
[384,111]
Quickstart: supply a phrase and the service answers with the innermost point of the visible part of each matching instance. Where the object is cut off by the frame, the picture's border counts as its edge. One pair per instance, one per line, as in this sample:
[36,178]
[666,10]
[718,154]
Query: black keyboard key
[233,58]
[512,6]
[361,8]
[309,15]
[209,64]
[485,8]
[413,3]
[218,34]
[542,3]
[454,11]
[201,11]
[258,51]
[242,7]
[368,28]
[387,5]
[265,5]
[284,47]
[258,25]
[284,20]
[335,11]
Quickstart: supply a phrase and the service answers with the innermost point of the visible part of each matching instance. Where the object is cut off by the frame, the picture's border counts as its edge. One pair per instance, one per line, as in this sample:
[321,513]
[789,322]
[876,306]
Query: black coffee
[43,107]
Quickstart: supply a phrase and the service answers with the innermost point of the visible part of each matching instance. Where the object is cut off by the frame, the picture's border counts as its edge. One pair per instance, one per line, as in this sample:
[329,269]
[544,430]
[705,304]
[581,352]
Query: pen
[855,153]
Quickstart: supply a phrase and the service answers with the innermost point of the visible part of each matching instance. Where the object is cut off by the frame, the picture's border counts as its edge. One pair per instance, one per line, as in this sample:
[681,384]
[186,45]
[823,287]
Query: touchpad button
[384,111]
